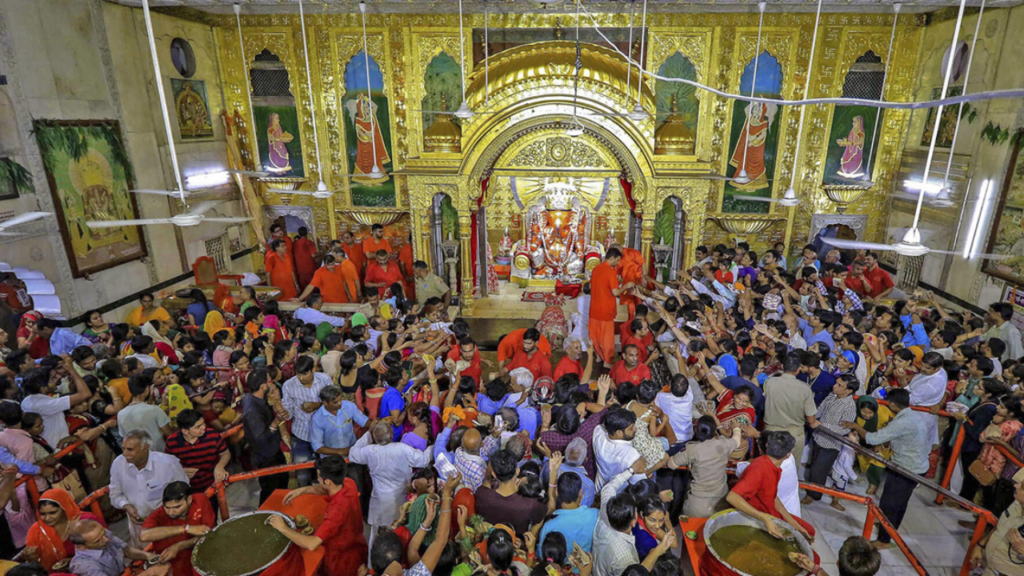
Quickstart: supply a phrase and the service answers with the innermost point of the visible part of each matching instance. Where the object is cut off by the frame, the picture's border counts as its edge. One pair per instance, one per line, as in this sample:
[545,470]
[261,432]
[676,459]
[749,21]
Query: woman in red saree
[749,152]
[49,538]
[369,143]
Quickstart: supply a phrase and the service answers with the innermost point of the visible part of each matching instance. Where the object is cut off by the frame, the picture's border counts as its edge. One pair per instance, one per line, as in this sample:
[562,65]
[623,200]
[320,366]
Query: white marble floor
[931,532]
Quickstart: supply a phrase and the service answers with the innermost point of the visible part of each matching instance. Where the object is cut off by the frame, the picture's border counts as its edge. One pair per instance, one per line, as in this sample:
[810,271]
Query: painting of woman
[749,153]
[277,140]
[370,150]
[852,162]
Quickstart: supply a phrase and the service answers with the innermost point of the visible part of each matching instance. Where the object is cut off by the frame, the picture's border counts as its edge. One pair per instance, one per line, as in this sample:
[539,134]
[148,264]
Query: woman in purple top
[418,426]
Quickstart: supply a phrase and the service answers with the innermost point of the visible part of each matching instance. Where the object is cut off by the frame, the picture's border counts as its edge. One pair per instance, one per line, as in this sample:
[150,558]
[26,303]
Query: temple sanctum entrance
[539,185]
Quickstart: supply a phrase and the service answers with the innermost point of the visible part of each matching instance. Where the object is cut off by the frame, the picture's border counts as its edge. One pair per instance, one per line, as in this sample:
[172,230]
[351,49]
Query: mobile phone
[499,423]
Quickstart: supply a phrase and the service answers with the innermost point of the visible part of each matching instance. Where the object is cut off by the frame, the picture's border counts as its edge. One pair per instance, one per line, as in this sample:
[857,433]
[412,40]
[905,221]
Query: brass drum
[242,546]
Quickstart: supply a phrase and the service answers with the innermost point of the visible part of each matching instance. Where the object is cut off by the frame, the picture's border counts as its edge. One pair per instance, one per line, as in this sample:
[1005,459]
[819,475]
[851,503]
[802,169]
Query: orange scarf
[44,537]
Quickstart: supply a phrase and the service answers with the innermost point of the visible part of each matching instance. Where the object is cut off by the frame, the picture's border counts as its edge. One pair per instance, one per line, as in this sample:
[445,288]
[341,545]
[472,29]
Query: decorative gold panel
[782,44]
[424,45]
[695,45]
[530,101]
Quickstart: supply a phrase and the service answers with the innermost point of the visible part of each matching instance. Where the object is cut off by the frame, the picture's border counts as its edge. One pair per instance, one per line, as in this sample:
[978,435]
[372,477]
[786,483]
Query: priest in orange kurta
[631,270]
[604,292]
[349,275]
[277,232]
[405,264]
[304,251]
[354,252]
[375,242]
[280,271]
[329,281]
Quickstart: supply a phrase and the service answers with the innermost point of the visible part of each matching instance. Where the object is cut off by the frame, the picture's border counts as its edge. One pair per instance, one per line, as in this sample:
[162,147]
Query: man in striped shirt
[300,396]
[837,408]
[202,451]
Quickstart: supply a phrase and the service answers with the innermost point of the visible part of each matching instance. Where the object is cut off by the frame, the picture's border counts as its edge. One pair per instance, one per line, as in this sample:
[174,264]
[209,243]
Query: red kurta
[622,374]
[568,366]
[375,275]
[342,532]
[538,364]
[405,257]
[475,369]
[759,486]
[201,512]
[305,264]
[281,275]
[513,342]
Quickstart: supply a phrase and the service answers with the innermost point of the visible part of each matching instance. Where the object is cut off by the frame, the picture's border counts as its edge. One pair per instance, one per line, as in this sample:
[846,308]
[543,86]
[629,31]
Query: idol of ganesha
[555,245]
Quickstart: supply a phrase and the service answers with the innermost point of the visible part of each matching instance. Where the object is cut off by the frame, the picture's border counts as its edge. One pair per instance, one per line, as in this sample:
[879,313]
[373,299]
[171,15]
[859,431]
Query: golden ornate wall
[528,97]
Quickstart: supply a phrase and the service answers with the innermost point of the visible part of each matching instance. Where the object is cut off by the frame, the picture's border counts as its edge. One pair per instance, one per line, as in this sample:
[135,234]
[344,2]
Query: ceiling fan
[909,246]
[19,220]
[193,217]
[251,173]
[172,193]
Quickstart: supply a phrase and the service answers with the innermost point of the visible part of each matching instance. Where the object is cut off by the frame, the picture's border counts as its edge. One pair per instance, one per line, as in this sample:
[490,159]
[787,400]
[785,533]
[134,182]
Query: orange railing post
[979,533]
[869,523]
[947,474]
[222,501]
[898,540]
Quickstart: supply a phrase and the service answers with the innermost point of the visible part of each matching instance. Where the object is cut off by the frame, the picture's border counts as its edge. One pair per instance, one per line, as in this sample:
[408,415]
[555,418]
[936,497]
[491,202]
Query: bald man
[464,454]
[100,553]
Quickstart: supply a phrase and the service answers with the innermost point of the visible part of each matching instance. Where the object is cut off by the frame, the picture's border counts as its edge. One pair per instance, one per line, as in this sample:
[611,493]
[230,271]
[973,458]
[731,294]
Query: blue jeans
[302,451]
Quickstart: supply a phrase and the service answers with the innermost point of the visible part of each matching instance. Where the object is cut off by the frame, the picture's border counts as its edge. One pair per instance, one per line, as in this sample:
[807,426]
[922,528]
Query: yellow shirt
[137,317]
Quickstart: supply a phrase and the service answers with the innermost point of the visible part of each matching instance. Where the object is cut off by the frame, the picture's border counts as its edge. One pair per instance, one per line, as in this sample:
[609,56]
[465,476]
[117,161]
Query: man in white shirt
[141,415]
[300,396]
[391,465]
[143,346]
[614,450]
[137,480]
[38,385]
[928,388]
[311,314]
[677,404]
[614,545]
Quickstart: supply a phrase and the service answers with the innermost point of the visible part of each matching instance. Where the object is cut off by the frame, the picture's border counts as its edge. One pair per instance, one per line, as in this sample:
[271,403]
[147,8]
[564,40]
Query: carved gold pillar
[466,259]
[647,237]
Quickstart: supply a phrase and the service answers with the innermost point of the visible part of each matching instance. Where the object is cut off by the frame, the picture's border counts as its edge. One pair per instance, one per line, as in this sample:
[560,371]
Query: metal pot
[198,548]
[733,517]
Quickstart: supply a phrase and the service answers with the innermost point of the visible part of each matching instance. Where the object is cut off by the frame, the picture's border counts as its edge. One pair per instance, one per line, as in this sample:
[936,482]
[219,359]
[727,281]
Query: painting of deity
[687,106]
[277,137]
[367,133]
[90,176]
[848,160]
[754,137]
[192,109]
[948,123]
[442,88]
[850,157]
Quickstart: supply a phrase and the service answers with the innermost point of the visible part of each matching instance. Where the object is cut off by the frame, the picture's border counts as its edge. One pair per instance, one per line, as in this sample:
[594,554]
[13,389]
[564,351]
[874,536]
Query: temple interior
[153,146]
